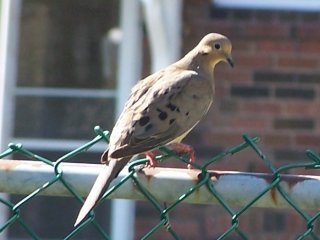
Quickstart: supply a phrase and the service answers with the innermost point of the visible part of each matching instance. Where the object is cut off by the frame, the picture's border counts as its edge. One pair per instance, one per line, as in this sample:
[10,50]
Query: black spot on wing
[172,121]
[171,106]
[148,127]
[144,120]
[162,114]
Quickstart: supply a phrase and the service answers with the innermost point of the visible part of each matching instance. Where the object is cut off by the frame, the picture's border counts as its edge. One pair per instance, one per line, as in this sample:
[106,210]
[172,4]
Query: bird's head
[215,48]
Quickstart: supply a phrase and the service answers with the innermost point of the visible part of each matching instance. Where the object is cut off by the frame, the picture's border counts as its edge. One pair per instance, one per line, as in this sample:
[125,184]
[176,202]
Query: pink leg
[151,157]
[184,148]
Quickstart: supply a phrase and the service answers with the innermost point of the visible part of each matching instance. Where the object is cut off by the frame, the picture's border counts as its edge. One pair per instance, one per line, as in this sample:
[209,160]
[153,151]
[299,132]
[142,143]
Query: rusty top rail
[237,188]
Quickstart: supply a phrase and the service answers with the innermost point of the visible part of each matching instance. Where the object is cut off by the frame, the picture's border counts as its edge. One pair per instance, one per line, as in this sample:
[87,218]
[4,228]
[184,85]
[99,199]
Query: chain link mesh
[164,211]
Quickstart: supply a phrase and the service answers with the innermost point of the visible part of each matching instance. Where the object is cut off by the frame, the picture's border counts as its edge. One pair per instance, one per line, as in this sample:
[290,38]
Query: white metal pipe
[130,64]
[172,11]
[292,5]
[165,184]
[65,92]
[130,51]
[157,34]
[163,21]
[9,35]
[10,22]
[129,71]
[41,144]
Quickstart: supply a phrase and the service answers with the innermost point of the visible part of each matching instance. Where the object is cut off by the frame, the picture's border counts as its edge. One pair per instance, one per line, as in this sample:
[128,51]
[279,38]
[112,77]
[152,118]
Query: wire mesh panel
[235,192]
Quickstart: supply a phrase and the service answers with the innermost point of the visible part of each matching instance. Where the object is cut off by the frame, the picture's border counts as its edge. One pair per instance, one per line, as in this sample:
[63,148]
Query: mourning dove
[162,109]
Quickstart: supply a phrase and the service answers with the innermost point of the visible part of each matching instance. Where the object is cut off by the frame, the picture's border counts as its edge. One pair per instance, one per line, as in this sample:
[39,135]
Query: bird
[161,110]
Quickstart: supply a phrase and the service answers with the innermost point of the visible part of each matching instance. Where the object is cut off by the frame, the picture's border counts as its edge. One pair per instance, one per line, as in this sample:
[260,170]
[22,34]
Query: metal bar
[65,92]
[163,22]
[57,144]
[166,184]
[128,73]
[10,11]
[293,5]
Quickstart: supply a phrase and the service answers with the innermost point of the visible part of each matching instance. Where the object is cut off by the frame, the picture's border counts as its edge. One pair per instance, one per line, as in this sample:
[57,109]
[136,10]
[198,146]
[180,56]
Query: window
[64,89]
[292,5]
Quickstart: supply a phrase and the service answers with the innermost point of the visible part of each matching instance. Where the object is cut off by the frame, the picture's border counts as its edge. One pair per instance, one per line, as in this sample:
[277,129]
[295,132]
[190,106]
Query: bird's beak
[230,61]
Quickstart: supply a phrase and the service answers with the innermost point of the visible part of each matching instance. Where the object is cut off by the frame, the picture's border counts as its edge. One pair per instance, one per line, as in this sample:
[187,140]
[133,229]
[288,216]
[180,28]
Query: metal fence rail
[229,189]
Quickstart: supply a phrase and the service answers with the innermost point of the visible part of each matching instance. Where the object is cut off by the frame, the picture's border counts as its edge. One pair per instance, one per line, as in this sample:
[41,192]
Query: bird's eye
[217,46]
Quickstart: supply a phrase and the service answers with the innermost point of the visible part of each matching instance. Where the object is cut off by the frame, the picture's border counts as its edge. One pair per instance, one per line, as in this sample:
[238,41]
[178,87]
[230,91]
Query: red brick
[217,223]
[274,221]
[310,47]
[308,31]
[242,46]
[265,30]
[261,167]
[222,138]
[260,107]
[301,108]
[297,62]
[308,140]
[234,75]
[221,90]
[253,61]
[228,106]
[277,140]
[143,226]
[295,223]
[302,171]
[278,46]
[251,221]
[227,28]
[243,123]
[258,45]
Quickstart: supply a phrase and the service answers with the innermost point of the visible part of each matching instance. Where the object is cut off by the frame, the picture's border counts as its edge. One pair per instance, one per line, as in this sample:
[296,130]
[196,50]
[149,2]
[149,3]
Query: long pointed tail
[107,174]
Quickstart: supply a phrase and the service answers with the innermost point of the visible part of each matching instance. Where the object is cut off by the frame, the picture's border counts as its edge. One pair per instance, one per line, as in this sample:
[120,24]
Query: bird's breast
[194,105]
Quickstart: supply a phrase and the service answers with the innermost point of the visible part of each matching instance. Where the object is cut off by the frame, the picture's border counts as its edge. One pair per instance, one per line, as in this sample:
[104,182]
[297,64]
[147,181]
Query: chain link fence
[204,180]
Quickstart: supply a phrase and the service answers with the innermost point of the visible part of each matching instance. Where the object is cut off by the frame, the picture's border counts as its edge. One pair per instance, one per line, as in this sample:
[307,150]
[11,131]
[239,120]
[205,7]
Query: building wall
[60,47]
[273,92]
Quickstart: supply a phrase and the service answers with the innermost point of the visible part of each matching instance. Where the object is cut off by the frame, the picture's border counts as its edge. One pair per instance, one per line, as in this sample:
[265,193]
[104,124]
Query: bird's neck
[192,62]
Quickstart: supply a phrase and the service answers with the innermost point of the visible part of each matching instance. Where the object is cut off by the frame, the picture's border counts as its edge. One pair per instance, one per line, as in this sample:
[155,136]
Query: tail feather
[105,177]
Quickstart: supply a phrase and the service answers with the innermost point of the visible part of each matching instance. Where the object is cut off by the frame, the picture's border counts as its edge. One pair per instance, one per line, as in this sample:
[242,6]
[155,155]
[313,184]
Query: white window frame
[291,5]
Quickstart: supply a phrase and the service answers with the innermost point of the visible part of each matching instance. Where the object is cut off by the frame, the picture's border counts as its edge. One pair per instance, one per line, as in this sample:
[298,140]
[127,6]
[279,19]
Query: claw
[151,157]
[179,148]
[184,148]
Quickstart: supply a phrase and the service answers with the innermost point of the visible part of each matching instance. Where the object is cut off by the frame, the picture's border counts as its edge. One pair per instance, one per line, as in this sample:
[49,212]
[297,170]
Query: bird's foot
[184,148]
[152,159]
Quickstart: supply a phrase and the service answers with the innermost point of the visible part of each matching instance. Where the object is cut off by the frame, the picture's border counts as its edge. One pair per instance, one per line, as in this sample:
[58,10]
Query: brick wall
[273,92]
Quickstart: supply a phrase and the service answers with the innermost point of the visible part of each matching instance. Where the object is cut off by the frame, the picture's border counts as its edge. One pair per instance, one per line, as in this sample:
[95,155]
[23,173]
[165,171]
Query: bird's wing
[153,115]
